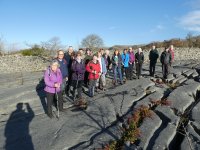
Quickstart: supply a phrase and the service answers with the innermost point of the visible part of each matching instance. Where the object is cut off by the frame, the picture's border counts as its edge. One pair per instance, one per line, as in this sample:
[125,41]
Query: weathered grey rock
[188,73]
[195,74]
[168,128]
[174,81]
[194,140]
[23,63]
[183,96]
[180,81]
[148,128]
[170,77]
[195,113]
[154,96]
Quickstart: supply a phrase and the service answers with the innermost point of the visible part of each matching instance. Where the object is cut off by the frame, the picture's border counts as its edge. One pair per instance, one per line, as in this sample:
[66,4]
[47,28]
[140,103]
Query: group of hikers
[76,69]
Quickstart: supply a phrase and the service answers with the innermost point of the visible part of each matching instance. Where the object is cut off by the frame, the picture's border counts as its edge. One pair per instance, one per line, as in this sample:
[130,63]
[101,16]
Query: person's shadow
[42,95]
[17,129]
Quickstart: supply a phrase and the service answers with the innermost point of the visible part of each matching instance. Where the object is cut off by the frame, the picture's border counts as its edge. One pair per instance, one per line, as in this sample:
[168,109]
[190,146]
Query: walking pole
[58,111]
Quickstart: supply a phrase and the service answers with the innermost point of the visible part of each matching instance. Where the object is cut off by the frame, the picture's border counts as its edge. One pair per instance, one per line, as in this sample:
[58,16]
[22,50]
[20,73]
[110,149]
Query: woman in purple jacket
[53,81]
[78,71]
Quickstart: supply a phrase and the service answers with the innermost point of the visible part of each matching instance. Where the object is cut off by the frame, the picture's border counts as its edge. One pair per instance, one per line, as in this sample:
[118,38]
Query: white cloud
[191,21]
[195,4]
[112,28]
[157,28]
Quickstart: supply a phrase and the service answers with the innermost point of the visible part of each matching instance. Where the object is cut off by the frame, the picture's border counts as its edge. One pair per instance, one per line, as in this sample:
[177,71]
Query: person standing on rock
[131,63]
[107,59]
[139,59]
[153,56]
[53,80]
[165,59]
[101,82]
[125,65]
[69,58]
[171,50]
[63,68]
[94,69]
[87,59]
[78,71]
[82,53]
[116,65]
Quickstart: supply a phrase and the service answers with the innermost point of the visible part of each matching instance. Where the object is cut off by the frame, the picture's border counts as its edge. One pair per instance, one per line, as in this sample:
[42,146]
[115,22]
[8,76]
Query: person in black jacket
[166,60]
[153,56]
[139,59]
[69,58]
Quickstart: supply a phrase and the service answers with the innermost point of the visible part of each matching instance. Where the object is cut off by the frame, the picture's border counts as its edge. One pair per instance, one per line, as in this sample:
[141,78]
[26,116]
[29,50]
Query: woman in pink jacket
[53,81]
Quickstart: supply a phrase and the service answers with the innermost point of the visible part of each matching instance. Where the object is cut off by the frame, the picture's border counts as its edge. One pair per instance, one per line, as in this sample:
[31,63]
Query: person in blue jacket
[125,64]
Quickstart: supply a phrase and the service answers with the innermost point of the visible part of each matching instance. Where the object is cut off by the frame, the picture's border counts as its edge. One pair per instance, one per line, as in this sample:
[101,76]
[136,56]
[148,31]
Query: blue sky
[118,22]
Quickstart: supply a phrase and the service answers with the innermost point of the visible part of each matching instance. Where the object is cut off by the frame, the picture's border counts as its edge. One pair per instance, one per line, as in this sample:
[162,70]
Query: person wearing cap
[53,80]
[94,69]
[153,56]
[139,59]
[87,59]
[116,65]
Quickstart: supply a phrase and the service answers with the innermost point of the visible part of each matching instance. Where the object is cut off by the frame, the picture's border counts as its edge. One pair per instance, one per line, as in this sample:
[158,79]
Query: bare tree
[92,41]
[2,45]
[52,44]
[189,39]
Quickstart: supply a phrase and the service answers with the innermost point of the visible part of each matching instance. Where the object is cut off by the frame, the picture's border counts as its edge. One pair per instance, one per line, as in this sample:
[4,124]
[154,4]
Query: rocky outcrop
[107,112]
[19,63]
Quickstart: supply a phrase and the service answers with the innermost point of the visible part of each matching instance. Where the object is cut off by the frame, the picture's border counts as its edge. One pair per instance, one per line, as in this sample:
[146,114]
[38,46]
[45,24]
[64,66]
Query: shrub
[27,52]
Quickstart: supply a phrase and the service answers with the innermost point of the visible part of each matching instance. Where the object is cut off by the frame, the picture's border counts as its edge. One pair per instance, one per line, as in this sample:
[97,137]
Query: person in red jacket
[94,69]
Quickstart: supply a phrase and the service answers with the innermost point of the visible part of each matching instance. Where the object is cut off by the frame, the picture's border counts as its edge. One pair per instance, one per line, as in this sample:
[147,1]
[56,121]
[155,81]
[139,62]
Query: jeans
[92,84]
[117,70]
[101,81]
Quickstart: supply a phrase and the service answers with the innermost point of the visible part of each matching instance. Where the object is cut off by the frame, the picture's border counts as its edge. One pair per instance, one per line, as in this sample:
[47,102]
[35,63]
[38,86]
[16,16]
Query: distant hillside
[190,41]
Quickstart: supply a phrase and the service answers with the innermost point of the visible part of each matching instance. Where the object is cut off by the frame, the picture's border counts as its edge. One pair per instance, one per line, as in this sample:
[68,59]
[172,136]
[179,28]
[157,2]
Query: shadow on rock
[17,129]
[41,93]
